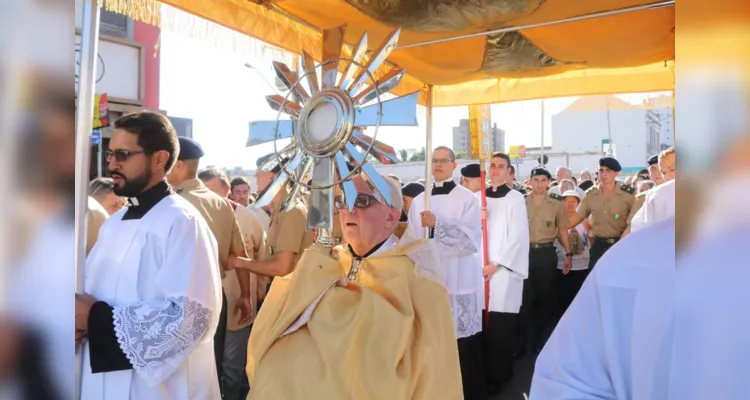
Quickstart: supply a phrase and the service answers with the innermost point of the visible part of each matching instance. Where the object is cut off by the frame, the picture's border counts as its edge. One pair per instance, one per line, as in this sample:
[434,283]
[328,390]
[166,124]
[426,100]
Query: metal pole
[541,148]
[84,128]
[601,14]
[609,130]
[428,157]
[99,158]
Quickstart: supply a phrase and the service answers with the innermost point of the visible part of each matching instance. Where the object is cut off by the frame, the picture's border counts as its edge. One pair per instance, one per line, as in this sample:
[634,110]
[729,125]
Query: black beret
[537,171]
[653,160]
[413,189]
[611,163]
[586,185]
[189,149]
[471,171]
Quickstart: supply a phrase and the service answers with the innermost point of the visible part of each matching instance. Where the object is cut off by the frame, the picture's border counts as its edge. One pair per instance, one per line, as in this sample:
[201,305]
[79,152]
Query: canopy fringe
[147,11]
[185,24]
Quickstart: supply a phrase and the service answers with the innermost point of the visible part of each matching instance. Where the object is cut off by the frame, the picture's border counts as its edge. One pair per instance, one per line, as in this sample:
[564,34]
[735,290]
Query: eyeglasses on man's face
[121,155]
[442,161]
[362,201]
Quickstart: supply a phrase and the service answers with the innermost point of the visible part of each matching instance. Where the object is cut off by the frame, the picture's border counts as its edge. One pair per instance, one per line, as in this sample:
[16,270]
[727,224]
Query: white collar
[441,183]
[389,244]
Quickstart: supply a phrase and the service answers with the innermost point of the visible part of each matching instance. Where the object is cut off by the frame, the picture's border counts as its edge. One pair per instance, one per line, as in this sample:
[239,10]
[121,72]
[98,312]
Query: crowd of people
[196,290]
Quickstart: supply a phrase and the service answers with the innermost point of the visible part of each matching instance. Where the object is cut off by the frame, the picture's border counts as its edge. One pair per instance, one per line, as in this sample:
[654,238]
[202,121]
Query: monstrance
[326,127]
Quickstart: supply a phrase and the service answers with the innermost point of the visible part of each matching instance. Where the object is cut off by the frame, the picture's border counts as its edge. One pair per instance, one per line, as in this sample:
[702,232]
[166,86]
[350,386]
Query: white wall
[580,131]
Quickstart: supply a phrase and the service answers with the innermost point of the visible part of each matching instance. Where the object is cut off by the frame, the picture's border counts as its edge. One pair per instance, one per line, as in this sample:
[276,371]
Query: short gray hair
[100,188]
[397,201]
[565,170]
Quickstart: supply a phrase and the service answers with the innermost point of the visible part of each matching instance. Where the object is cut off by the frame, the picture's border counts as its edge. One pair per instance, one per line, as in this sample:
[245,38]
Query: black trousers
[598,249]
[539,307]
[500,342]
[568,287]
[470,357]
[221,331]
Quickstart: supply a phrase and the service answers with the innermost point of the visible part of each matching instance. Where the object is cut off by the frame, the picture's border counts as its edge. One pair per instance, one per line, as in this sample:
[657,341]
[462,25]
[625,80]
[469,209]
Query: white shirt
[658,205]
[580,261]
[508,235]
[458,238]
[616,339]
[160,274]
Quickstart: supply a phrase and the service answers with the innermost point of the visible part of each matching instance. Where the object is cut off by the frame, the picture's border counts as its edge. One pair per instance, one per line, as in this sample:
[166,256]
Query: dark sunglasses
[363,201]
[121,155]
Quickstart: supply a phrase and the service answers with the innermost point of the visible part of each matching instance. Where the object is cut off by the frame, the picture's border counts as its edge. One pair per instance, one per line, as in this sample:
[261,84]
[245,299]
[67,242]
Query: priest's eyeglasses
[363,201]
[121,155]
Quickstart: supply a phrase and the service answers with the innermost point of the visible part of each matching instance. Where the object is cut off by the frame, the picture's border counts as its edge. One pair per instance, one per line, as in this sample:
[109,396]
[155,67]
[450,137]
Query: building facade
[633,132]
[462,138]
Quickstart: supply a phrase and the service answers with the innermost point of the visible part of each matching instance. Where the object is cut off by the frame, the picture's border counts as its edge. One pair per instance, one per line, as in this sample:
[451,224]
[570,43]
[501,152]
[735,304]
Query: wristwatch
[568,254]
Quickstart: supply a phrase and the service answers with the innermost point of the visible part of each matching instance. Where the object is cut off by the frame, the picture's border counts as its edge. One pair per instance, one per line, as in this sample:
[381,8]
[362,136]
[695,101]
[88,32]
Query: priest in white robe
[616,339]
[455,225]
[508,235]
[152,287]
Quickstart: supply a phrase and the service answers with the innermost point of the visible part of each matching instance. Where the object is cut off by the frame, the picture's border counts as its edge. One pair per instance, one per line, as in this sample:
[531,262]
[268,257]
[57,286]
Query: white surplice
[160,274]
[458,236]
[616,339]
[658,205]
[508,235]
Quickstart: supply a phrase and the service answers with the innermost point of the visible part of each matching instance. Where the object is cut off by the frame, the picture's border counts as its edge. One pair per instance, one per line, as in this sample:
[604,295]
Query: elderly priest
[372,320]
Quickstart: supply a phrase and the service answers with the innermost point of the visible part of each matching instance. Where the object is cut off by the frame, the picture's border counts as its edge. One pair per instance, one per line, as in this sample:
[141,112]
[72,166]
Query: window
[114,24]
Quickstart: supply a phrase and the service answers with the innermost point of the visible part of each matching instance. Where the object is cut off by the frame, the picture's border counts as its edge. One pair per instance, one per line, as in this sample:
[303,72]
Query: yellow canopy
[628,52]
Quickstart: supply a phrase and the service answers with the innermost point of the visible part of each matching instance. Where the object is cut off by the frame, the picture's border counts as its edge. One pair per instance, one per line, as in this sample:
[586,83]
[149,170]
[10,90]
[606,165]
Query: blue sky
[211,85]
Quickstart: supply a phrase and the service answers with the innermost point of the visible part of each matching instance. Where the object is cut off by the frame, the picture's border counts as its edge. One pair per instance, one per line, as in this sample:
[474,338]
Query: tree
[418,155]
[461,155]
[403,155]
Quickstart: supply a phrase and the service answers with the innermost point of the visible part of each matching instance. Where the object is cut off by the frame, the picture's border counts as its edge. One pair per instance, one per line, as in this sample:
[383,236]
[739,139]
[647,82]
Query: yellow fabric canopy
[622,53]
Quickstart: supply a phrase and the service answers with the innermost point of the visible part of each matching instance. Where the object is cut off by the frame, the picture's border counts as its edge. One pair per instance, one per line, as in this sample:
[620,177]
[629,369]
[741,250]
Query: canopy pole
[583,17]
[428,156]
[541,148]
[84,128]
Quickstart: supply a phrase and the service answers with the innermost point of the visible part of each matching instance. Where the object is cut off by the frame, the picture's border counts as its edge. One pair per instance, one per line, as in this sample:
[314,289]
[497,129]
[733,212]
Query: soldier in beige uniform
[219,215]
[238,330]
[287,235]
[610,204]
[547,222]
[664,161]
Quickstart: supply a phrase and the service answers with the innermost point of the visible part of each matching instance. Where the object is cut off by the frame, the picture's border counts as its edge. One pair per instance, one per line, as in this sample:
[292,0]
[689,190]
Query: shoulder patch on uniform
[591,190]
[627,188]
[641,194]
[555,196]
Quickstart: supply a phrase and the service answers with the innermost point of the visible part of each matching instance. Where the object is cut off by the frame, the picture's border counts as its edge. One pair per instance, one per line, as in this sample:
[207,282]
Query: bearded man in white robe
[152,287]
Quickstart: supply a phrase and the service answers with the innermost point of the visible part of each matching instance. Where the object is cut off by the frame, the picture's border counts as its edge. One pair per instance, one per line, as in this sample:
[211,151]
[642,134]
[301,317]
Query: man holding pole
[508,231]
[457,230]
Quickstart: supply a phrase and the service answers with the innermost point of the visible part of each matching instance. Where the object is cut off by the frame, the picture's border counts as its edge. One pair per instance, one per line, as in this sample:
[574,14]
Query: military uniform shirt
[546,218]
[288,231]
[220,217]
[609,214]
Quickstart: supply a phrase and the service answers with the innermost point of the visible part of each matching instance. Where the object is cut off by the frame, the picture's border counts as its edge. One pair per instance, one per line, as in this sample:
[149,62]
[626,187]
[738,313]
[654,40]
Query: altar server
[152,292]
[454,224]
[508,235]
